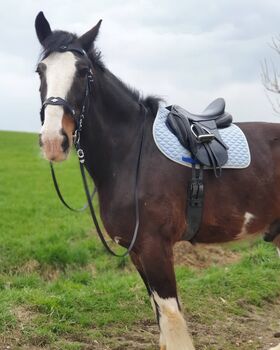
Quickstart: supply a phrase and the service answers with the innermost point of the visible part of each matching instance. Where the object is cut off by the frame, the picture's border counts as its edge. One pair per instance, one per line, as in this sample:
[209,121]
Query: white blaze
[60,72]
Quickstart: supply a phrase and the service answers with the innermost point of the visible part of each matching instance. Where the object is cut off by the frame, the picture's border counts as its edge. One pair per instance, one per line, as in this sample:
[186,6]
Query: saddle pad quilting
[238,153]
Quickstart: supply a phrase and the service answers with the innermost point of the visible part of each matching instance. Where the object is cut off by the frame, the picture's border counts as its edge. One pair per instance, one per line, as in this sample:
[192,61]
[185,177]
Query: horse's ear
[43,29]
[88,38]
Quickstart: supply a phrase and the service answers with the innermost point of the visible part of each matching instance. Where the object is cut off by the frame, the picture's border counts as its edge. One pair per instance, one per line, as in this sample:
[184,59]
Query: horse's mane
[60,38]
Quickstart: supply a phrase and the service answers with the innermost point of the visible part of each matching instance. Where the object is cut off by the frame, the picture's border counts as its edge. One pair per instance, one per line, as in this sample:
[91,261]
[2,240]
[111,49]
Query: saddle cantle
[200,134]
[216,111]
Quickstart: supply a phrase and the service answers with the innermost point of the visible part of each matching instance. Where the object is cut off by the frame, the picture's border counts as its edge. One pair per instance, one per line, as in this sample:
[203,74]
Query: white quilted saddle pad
[238,153]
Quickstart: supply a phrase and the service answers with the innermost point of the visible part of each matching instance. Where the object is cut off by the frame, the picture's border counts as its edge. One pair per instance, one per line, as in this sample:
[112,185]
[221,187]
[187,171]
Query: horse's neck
[112,130]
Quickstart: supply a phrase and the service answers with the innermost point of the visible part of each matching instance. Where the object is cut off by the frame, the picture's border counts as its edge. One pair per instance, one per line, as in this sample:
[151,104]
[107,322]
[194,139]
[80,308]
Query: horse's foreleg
[157,261]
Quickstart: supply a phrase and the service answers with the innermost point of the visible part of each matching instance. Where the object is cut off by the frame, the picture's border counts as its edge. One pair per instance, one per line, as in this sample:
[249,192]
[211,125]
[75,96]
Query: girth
[200,135]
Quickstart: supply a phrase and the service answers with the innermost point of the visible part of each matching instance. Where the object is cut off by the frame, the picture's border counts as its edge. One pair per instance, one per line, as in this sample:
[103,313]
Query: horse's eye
[83,72]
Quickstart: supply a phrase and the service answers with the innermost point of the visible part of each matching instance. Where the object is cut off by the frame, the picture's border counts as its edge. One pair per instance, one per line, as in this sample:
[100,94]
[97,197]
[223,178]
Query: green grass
[58,287]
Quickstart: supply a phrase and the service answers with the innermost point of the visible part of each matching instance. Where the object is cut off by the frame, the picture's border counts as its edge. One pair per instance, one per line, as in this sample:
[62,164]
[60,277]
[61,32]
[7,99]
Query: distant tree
[271,78]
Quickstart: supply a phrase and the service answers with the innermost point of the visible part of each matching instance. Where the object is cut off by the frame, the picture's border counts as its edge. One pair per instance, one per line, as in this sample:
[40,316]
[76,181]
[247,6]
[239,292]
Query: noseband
[58,101]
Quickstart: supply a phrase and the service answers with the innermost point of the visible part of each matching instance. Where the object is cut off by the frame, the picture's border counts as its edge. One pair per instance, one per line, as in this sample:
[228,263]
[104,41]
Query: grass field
[60,290]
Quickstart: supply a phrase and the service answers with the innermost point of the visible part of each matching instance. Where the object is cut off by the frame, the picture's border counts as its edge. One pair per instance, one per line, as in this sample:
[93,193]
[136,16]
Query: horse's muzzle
[55,148]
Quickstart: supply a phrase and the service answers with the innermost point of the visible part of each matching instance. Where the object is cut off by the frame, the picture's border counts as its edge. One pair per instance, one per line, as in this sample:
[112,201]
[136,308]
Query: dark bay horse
[240,203]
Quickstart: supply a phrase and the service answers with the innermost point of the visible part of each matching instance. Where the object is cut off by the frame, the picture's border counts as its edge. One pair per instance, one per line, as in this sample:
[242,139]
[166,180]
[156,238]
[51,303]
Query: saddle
[199,133]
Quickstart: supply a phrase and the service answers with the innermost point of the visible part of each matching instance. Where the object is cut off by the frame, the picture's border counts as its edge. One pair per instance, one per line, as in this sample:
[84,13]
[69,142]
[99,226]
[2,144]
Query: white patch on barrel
[277,347]
[248,217]
[60,72]
[173,327]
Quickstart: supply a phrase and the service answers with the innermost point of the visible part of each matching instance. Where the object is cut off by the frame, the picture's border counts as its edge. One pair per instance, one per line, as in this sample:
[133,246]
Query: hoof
[275,348]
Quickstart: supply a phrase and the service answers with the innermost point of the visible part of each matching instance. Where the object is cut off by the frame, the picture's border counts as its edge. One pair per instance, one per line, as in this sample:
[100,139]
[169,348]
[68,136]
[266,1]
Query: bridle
[78,119]
[58,101]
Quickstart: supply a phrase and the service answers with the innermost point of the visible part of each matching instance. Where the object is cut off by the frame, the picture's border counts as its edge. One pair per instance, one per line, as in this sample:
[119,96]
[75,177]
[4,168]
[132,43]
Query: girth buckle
[196,192]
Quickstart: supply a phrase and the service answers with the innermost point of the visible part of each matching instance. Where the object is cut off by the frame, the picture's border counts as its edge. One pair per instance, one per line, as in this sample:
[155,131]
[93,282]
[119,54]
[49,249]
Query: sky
[188,52]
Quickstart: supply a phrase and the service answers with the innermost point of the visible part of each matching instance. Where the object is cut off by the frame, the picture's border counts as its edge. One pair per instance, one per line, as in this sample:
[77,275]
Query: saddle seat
[214,111]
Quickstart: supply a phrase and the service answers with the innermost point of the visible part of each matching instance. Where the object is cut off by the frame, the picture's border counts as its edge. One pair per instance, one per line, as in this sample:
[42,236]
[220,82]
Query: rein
[60,196]
[57,101]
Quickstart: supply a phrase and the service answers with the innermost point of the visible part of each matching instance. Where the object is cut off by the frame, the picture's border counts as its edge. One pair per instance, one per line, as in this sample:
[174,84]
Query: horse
[238,204]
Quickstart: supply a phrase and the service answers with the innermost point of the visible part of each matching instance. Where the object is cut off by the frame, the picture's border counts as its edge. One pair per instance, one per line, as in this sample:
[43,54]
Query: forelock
[58,38]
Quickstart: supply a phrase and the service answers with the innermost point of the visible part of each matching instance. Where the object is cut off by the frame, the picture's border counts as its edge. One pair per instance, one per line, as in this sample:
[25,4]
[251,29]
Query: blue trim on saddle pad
[238,153]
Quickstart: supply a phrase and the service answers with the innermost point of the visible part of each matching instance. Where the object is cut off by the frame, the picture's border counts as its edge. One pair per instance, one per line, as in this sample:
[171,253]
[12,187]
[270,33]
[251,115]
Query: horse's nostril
[65,142]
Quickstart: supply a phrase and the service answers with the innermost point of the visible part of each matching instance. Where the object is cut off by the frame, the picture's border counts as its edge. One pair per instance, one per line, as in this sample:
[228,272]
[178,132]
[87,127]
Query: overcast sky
[187,51]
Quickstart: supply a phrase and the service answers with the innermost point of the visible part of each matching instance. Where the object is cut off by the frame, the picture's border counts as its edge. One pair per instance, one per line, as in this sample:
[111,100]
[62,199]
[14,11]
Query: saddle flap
[201,138]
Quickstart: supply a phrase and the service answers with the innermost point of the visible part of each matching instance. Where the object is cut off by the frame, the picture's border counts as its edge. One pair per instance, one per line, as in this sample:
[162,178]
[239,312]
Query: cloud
[189,52]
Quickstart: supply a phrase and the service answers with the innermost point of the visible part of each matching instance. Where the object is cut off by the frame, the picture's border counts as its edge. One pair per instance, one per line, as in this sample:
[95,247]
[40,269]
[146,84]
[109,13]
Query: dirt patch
[255,331]
[29,266]
[47,272]
[23,315]
[258,330]
[202,256]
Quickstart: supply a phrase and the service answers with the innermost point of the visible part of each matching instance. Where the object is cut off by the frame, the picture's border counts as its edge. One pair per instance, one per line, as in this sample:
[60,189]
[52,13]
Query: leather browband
[64,48]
